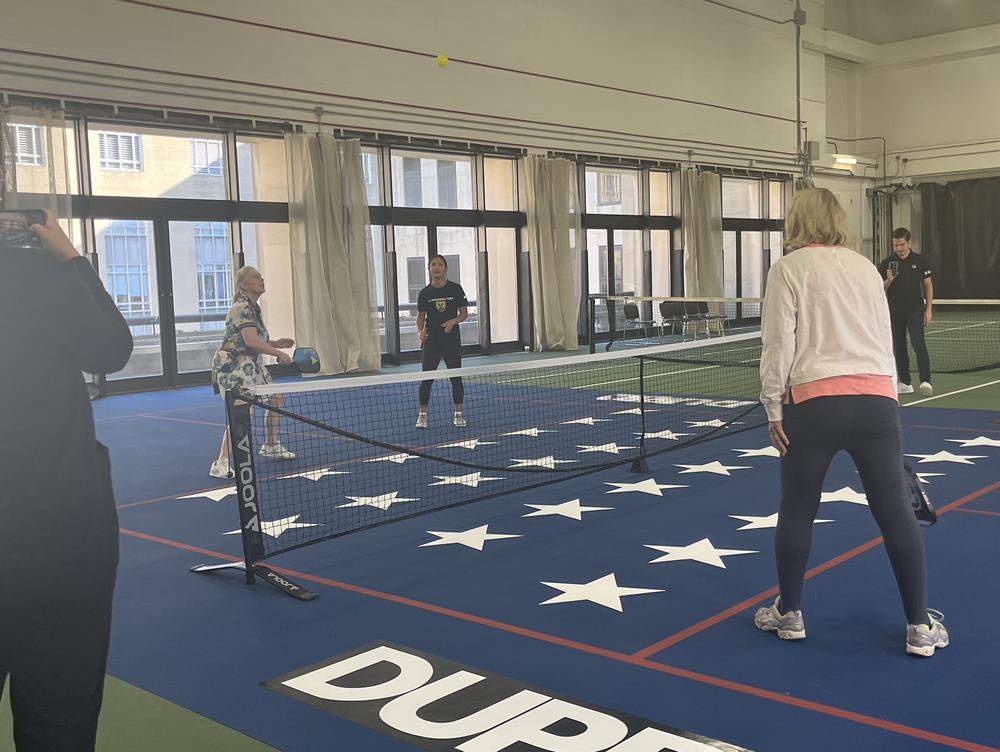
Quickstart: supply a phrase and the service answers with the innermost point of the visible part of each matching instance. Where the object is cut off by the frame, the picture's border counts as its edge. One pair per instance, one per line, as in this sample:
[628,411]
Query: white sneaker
[221,469]
[422,420]
[902,388]
[923,640]
[460,420]
[925,388]
[276,451]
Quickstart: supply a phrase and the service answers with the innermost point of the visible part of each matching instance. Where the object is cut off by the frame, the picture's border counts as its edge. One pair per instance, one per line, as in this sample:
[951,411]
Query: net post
[639,464]
[242,453]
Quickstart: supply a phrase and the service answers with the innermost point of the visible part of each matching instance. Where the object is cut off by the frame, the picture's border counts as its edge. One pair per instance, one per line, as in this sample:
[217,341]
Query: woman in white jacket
[828,384]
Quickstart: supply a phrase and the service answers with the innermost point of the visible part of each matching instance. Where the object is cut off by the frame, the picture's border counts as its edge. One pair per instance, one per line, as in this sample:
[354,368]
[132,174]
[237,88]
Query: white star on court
[603,591]
[571,509]
[962,459]
[768,451]
[759,523]
[711,423]
[978,441]
[468,444]
[701,551]
[585,421]
[532,432]
[472,479]
[275,528]
[611,448]
[399,459]
[633,411]
[475,538]
[847,494]
[668,435]
[381,501]
[648,486]
[313,475]
[550,462]
[215,494]
[716,468]
[921,476]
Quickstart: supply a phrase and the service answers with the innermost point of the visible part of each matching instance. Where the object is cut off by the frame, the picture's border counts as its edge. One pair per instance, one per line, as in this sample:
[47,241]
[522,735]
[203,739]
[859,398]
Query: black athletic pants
[54,652]
[448,347]
[914,324]
[868,428]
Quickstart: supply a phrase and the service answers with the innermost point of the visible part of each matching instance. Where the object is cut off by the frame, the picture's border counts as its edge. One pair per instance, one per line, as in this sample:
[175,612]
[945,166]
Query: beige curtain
[701,218]
[333,284]
[552,236]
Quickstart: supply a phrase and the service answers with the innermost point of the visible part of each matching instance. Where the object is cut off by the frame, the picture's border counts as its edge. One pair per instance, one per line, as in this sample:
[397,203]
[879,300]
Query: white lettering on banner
[402,713]
[654,740]
[602,731]
[414,672]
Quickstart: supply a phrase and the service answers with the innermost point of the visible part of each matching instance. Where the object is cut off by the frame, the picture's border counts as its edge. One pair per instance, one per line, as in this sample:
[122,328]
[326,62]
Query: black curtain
[961,237]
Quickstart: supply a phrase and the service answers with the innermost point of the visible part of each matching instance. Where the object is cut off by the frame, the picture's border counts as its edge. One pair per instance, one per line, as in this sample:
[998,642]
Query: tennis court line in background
[714,681]
[948,394]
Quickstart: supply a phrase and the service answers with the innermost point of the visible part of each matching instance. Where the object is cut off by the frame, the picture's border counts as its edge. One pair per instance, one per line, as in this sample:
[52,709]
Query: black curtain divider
[960,225]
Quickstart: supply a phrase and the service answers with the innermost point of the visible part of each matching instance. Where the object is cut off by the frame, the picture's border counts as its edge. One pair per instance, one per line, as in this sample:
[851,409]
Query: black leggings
[868,428]
[436,348]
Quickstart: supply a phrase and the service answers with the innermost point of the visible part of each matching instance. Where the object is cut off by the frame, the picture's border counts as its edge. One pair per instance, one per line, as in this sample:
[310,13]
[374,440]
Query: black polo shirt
[906,293]
[441,304]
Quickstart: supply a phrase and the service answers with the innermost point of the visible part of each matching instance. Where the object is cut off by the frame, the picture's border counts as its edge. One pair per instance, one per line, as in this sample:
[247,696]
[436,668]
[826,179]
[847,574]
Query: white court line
[948,394]
[662,374]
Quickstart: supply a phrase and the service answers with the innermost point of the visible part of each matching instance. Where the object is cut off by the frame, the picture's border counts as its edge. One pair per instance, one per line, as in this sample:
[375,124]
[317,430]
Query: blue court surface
[622,600]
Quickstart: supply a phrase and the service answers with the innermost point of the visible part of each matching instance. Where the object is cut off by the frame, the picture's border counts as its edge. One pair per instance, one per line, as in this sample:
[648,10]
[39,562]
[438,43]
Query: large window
[612,191]
[215,271]
[30,145]
[432,181]
[119,151]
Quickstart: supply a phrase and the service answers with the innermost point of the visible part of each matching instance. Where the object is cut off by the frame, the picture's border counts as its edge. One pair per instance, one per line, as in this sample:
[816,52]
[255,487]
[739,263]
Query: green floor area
[133,719]
[978,391]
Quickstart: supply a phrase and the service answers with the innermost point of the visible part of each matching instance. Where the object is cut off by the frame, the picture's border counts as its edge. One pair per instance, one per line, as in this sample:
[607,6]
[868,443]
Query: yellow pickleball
[442,60]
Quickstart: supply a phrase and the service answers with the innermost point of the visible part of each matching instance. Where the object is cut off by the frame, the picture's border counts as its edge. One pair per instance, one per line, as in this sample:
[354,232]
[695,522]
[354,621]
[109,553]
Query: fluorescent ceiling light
[844,159]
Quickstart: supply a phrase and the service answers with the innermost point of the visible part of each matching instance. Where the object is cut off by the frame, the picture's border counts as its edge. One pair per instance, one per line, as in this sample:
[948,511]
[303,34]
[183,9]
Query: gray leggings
[867,427]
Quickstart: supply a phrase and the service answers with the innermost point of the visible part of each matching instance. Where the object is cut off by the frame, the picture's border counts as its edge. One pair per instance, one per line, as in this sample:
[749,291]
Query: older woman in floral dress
[239,363]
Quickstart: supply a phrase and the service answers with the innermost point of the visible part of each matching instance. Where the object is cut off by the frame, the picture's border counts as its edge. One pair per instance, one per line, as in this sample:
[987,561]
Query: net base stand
[639,466]
[276,580]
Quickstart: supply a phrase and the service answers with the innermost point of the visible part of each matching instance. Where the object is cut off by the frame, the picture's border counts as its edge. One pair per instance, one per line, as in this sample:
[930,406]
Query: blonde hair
[815,217]
[241,277]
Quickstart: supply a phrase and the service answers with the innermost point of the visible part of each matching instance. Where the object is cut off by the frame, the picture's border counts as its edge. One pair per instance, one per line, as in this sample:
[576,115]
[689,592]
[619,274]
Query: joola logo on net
[437,704]
[248,491]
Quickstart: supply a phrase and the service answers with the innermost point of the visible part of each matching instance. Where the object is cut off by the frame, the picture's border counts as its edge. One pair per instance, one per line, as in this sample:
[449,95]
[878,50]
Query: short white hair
[241,276]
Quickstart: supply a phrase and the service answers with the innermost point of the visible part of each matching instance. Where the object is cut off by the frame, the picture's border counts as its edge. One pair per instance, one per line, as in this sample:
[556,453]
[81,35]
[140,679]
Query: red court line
[715,681]
[978,511]
[711,621]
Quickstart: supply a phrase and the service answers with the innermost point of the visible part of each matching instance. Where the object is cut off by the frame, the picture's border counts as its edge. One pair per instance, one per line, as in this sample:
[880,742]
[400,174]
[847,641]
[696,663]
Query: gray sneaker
[789,626]
[922,640]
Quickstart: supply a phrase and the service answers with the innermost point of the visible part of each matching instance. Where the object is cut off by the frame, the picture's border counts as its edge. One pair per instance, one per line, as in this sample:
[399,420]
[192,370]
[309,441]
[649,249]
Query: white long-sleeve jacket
[825,314]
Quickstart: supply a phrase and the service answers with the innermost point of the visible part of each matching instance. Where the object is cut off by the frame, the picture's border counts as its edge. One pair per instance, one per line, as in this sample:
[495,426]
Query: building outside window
[126,271]
[120,151]
[206,156]
[30,145]
[215,272]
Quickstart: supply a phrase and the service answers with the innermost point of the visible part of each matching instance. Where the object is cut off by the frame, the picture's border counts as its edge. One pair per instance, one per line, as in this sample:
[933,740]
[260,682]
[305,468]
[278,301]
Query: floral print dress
[236,366]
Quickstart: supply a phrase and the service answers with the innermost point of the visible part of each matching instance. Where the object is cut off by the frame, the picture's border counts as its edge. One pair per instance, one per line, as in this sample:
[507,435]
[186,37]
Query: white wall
[685,49]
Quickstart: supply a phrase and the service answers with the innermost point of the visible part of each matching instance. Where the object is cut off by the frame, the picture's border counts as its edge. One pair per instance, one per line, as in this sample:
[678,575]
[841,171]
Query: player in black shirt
[910,291]
[441,307]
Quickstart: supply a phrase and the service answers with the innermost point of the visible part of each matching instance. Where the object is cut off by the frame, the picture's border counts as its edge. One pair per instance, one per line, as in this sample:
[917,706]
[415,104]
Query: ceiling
[886,21]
